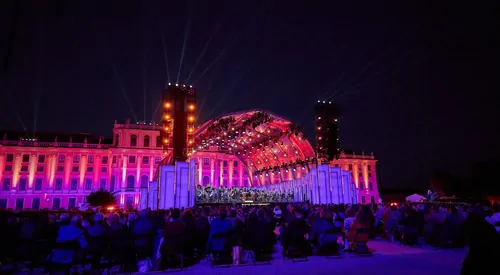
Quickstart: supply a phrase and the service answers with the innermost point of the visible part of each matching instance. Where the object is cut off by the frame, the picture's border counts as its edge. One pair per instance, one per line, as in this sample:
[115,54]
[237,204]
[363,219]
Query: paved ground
[388,259]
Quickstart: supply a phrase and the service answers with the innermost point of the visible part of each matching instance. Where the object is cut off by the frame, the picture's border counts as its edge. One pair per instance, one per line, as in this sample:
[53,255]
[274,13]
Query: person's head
[325,214]
[223,213]
[176,213]
[76,220]
[297,213]
[351,212]
[365,215]
[260,214]
[98,218]
[188,214]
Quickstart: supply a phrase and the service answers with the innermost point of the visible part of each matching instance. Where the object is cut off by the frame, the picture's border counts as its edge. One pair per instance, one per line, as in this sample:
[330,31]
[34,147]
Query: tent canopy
[415,198]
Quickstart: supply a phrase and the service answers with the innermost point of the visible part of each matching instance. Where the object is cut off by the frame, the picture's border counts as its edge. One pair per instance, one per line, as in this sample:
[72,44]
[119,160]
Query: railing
[54,144]
[138,126]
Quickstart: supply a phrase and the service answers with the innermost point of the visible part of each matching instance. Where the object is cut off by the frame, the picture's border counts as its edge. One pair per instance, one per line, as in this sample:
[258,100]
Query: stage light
[335,120]
[294,169]
[165,141]
[167,117]
[166,128]
[190,86]
[191,118]
[323,102]
[191,107]
[167,105]
[169,84]
[319,118]
[319,127]
[319,101]
[177,85]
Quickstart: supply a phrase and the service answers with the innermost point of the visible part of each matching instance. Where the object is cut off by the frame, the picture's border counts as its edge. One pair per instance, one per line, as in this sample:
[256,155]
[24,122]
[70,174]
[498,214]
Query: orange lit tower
[178,117]
[327,130]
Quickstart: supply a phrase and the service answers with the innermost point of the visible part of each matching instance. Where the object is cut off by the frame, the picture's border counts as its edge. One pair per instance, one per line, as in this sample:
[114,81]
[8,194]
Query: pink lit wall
[51,174]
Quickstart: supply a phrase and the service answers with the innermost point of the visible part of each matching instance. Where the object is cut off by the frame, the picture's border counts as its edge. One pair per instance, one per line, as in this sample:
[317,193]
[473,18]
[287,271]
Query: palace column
[83,170]
[2,165]
[16,169]
[124,174]
[138,172]
[240,173]
[68,163]
[212,171]
[200,170]
[97,171]
[230,172]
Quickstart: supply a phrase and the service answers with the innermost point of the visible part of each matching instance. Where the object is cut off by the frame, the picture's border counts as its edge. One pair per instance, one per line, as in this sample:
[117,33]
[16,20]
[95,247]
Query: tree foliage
[101,198]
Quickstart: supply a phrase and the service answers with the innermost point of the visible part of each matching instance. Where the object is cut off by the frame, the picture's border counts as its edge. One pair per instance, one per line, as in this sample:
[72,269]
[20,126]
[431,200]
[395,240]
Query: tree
[101,198]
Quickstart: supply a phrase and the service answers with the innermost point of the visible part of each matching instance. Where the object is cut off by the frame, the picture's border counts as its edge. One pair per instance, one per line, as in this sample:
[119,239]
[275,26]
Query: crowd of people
[209,194]
[184,236]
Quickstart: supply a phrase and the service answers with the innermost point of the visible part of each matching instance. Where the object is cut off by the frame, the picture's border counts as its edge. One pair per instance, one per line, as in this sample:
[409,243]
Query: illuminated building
[58,171]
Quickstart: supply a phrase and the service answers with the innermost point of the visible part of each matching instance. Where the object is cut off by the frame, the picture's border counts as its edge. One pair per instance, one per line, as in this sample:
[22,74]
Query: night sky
[416,83]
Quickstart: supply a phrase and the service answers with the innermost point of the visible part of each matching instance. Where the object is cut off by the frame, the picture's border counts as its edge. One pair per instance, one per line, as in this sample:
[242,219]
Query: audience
[164,235]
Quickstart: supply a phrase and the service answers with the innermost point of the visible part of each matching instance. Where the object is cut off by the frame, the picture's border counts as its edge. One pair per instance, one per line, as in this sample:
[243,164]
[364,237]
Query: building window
[75,169]
[26,158]
[372,199]
[56,203]
[206,161]
[224,183]
[19,204]
[245,182]
[235,163]
[22,184]
[3,203]
[104,169]
[131,159]
[112,184]
[102,184]
[88,184]
[38,184]
[60,168]
[370,187]
[76,159]
[74,184]
[360,175]
[235,182]
[245,172]
[144,181]
[145,160]
[114,160]
[235,172]
[361,186]
[129,202]
[60,158]
[158,141]
[370,175]
[91,159]
[133,140]
[363,200]
[206,180]
[350,166]
[10,158]
[8,168]
[146,141]
[24,168]
[59,184]
[41,158]
[90,169]
[105,159]
[369,167]
[224,172]
[35,203]
[117,139]
[39,168]
[71,203]
[224,163]
[130,182]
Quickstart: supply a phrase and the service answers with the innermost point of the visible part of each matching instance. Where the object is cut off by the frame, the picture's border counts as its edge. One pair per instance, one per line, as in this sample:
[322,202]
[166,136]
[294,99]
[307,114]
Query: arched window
[146,141]
[133,140]
[117,140]
[158,141]
[144,181]
[130,182]
[206,180]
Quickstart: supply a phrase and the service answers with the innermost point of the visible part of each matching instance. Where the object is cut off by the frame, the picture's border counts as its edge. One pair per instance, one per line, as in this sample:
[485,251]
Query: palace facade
[54,171]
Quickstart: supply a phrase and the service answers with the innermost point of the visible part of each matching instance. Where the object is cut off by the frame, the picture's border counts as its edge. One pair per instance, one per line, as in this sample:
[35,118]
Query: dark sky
[416,82]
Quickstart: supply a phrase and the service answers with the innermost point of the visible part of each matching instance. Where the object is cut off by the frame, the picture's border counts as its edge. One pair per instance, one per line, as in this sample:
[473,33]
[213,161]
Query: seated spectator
[98,229]
[173,239]
[219,232]
[320,227]
[483,242]
[297,234]
[71,240]
[261,235]
[495,218]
